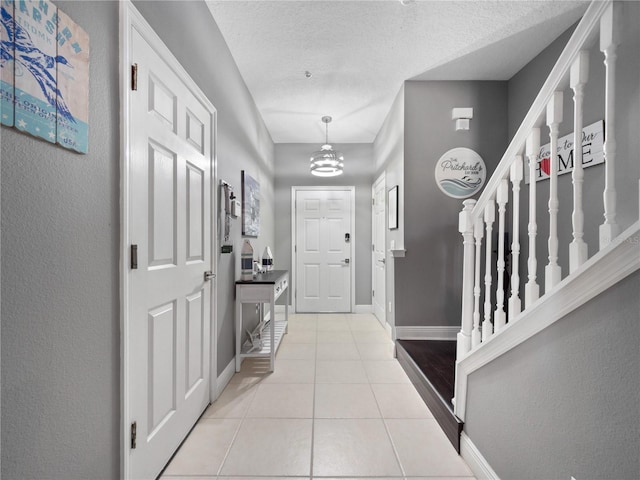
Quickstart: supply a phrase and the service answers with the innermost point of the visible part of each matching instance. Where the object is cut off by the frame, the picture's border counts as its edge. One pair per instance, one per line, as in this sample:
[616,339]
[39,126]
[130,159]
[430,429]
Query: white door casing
[379,249]
[322,256]
[168,309]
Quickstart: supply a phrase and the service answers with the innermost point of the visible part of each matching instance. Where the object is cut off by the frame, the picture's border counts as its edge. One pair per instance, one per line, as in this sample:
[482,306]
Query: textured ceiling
[360,52]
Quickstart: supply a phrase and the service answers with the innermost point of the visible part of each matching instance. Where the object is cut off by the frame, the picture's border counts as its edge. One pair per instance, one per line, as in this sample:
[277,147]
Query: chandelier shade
[326,162]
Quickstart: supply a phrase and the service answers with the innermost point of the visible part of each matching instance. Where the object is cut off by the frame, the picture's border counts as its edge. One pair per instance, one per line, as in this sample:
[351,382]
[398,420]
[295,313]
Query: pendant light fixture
[327,162]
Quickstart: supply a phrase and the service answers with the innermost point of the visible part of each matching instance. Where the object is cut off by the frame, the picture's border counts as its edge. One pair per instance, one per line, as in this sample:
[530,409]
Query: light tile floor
[337,406]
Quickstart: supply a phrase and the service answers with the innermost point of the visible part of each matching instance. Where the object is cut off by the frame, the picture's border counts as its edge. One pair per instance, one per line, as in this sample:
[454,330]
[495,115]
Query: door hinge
[134,257]
[373,293]
[373,247]
[134,77]
[295,248]
[134,434]
[373,201]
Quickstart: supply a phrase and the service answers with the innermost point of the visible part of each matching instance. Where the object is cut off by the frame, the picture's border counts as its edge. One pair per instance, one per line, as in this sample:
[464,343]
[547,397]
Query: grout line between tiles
[313,409]
[386,428]
[254,387]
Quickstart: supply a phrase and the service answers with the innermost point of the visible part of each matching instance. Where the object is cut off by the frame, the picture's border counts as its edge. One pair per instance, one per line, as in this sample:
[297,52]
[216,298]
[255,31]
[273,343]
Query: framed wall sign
[592,153]
[392,204]
[460,173]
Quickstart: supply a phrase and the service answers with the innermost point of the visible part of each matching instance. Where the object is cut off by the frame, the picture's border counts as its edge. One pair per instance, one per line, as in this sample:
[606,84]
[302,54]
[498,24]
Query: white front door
[379,254]
[323,263]
[169,313]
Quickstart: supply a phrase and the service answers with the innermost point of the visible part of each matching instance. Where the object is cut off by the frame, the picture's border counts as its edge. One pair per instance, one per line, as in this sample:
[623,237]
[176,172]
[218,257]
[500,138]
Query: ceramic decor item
[246,261]
[267,259]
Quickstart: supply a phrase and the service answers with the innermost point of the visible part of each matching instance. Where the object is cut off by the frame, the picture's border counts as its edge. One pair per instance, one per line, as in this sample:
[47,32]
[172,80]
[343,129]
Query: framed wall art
[250,205]
[44,73]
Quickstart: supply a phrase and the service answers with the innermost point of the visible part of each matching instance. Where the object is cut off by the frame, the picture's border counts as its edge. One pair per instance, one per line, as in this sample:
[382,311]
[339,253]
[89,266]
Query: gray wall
[388,150]
[60,300]
[292,169]
[565,403]
[523,88]
[428,280]
[60,251]
[243,140]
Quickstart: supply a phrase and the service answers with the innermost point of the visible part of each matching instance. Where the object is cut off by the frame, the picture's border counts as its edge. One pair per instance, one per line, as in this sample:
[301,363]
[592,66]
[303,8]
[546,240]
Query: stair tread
[437,361]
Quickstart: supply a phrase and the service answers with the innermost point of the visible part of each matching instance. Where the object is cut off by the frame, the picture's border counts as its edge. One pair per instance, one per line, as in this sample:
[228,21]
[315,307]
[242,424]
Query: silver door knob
[384,260]
[208,275]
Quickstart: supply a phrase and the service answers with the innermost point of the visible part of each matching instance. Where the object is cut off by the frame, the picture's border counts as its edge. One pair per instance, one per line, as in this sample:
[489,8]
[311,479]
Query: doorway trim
[352,199]
[130,18]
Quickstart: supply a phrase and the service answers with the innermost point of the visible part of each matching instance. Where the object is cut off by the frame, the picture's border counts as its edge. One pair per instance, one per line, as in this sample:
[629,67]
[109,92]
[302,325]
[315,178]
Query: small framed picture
[392,204]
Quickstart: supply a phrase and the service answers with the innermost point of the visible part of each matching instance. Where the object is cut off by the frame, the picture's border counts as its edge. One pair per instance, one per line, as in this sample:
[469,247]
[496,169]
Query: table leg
[238,333]
[286,310]
[272,316]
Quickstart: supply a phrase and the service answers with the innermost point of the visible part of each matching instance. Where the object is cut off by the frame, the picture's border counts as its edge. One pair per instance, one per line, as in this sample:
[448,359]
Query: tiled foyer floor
[337,406]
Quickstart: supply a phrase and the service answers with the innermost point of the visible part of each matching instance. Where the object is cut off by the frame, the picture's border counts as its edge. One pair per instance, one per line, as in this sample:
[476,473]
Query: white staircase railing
[476,222]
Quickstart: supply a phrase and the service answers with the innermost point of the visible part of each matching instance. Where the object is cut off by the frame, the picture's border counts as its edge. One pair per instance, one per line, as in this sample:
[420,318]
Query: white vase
[246,262]
[267,259]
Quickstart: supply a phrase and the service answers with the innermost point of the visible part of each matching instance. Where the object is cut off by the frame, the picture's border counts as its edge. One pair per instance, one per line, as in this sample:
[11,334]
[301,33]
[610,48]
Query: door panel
[311,282]
[162,206]
[379,242]
[195,213]
[162,365]
[195,131]
[335,235]
[323,268]
[335,283]
[162,102]
[194,340]
[169,333]
[311,235]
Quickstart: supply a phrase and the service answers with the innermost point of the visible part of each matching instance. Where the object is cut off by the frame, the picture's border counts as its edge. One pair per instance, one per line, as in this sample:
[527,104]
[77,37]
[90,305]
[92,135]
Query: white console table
[263,288]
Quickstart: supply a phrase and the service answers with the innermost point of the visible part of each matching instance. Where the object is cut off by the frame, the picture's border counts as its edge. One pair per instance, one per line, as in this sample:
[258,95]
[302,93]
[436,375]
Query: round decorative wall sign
[460,173]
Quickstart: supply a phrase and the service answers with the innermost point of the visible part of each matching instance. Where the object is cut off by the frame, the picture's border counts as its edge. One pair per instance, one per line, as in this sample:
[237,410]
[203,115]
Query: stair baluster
[502,197]
[514,300]
[609,40]
[489,218]
[578,78]
[532,289]
[476,334]
[553,273]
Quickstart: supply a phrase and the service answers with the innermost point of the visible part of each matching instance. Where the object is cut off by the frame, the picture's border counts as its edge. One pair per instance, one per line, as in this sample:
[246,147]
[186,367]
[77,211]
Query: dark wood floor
[430,365]
[437,360]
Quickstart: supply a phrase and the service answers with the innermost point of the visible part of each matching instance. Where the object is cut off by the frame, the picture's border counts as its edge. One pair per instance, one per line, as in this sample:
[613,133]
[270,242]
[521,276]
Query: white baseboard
[427,333]
[356,309]
[225,377]
[363,309]
[477,463]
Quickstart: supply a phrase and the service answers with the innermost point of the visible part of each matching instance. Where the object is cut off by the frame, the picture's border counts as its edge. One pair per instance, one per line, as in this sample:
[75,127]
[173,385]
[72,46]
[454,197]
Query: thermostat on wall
[236,208]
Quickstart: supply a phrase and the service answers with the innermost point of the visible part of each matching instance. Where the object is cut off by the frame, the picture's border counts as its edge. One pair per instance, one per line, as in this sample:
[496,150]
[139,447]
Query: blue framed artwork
[44,73]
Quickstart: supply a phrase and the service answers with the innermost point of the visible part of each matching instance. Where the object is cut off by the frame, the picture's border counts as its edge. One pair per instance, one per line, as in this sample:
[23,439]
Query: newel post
[465,227]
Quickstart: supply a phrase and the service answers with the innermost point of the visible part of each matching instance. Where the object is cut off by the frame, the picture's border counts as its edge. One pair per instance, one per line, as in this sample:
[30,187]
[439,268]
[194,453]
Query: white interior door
[170,311]
[379,254]
[324,236]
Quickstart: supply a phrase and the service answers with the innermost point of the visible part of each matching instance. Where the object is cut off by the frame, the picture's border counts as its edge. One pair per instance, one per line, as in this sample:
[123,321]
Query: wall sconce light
[462,117]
